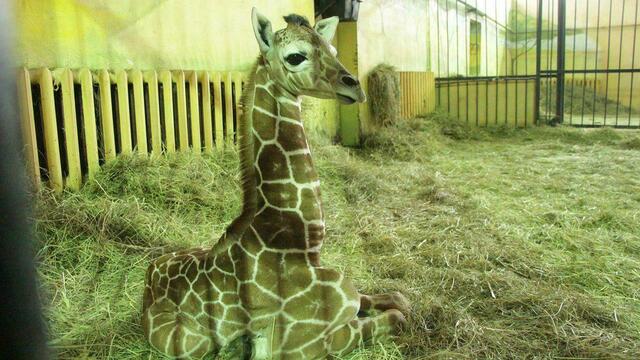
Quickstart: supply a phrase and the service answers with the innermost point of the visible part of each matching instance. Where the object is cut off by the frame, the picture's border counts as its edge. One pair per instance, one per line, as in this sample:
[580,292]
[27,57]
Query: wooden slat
[72,148]
[30,143]
[139,112]
[106,113]
[123,112]
[195,112]
[217,108]
[183,131]
[151,78]
[228,108]
[417,93]
[54,166]
[169,126]
[206,112]
[89,122]
[237,81]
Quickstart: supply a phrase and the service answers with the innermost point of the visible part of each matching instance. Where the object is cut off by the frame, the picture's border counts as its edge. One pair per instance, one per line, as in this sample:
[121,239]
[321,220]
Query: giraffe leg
[364,331]
[176,334]
[383,302]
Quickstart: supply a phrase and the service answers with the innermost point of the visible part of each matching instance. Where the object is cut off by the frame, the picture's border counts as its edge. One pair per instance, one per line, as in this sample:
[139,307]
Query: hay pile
[509,244]
[384,94]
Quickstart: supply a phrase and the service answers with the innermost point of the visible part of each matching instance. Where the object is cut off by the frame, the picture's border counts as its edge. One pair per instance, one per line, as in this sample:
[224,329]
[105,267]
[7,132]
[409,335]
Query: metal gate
[524,62]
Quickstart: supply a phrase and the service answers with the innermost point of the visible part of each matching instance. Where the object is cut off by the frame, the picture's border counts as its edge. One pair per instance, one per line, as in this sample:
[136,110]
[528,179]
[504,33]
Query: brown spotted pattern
[267,285]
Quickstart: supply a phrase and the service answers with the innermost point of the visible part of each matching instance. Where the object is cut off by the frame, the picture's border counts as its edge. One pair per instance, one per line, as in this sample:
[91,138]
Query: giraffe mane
[296,19]
[247,174]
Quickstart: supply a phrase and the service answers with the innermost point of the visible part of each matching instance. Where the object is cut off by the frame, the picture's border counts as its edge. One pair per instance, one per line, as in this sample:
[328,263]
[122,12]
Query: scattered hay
[508,243]
[632,143]
[384,94]
[583,100]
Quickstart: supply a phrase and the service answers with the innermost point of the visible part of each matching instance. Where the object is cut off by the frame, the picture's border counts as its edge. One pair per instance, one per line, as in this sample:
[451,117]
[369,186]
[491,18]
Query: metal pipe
[538,62]
[562,7]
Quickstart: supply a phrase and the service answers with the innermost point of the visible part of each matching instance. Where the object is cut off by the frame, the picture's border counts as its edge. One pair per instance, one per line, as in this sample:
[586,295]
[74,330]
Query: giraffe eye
[295,59]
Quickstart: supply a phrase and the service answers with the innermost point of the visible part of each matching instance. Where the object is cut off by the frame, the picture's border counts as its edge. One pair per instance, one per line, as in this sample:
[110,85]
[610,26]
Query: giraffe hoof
[400,302]
[397,321]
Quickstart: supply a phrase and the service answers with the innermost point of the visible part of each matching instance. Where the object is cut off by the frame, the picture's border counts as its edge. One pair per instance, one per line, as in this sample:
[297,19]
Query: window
[475,37]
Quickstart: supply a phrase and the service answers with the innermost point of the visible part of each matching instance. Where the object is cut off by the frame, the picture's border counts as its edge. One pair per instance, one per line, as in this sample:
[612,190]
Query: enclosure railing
[74,121]
[581,55]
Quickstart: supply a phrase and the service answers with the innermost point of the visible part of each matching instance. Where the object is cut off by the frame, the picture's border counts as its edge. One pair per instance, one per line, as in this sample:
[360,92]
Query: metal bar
[538,62]
[467,42]
[106,114]
[620,62]
[526,59]
[457,61]
[438,35]
[593,113]
[495,3]
[486,71]
[473,78]
[560,62]
[506,71]
[447,60]
[606,86]
[550,55]
[573,65]
[633,60]
[584,80]
[597,71]
[515,63]
[478,71]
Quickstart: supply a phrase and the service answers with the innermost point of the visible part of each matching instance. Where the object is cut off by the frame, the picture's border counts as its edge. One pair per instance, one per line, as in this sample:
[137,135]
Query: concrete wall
[392,32]
[153,34]
[449,29]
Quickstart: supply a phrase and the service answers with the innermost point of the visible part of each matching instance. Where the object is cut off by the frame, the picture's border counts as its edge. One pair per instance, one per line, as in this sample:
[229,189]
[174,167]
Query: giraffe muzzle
[349,90]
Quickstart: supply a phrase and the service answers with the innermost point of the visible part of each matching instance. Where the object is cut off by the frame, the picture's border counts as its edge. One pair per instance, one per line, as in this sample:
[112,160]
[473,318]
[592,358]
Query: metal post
[562,7]
[536,116]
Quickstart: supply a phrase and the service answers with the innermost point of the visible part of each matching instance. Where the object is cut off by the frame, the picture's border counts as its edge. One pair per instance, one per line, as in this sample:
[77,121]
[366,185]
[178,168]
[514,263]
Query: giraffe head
[302,61]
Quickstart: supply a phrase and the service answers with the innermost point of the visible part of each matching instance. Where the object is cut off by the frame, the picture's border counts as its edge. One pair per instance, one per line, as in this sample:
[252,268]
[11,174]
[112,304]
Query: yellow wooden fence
[489,102]
[417,93]
[73,121]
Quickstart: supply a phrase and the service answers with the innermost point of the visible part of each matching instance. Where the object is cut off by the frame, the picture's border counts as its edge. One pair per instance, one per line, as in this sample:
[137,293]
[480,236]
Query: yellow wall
[153,34]
[145,34]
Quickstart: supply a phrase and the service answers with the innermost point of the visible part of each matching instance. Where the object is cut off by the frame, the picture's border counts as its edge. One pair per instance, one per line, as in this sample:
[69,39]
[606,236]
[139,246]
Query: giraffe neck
[289,210]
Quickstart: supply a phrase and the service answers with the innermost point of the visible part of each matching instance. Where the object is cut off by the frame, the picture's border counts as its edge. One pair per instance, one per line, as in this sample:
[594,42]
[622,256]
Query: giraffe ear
[262,30]
[327,27]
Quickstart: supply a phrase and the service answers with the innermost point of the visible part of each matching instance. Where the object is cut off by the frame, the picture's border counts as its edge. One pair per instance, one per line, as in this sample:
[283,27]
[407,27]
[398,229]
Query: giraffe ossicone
[263,280]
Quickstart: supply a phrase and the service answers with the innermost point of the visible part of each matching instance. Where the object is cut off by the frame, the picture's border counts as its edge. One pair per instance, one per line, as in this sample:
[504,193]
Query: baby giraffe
[263,280]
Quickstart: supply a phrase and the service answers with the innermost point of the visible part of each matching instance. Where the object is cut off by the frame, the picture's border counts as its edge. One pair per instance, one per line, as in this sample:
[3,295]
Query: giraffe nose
[349,80]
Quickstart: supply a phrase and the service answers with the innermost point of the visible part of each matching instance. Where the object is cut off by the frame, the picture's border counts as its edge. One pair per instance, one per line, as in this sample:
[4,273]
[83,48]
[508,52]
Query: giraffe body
[263,279]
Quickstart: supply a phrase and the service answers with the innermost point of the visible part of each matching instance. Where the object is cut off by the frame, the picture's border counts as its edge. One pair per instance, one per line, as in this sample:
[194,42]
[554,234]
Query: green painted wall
[153,34]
